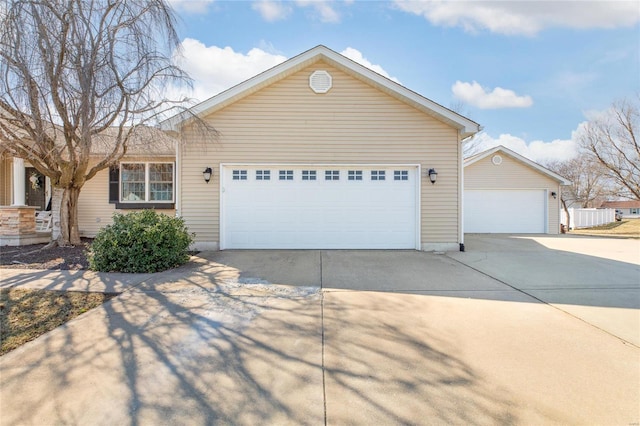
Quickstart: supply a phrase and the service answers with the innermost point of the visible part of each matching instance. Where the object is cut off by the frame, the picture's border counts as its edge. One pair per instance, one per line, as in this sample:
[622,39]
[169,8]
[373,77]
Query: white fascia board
[474,159]
[465,126]
[484,154]
[277,72]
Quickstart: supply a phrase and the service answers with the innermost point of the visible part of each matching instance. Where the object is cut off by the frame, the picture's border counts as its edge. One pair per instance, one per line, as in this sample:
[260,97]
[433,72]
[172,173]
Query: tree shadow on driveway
[199,345]
[195,347]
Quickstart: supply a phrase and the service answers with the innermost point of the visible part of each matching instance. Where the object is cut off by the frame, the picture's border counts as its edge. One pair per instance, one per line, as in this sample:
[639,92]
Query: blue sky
[529,72]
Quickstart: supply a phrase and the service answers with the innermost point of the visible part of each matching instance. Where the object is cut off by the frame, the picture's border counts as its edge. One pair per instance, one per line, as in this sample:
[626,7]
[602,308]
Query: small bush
[142,241]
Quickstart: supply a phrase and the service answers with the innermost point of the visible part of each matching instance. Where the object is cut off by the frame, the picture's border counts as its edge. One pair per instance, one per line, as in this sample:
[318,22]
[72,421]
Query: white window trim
[147,183]
[311,176]
[263,175]
[355,176]
[240,175]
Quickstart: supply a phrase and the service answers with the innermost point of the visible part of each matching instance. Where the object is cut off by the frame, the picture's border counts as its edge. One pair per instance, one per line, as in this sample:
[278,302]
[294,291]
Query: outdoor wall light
[433,175]
[207,174]
[554,195]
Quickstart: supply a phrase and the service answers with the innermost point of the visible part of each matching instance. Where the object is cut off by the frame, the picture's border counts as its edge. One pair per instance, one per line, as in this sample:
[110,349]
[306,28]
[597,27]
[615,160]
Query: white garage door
[505,211]
[314,207]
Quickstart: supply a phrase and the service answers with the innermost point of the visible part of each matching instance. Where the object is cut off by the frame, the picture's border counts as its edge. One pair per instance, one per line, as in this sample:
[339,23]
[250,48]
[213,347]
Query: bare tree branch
[611,140]
[590,184]
[74,73]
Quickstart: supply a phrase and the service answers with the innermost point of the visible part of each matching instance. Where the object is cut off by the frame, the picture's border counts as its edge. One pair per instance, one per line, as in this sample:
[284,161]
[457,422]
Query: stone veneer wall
[17,220]
[18,227]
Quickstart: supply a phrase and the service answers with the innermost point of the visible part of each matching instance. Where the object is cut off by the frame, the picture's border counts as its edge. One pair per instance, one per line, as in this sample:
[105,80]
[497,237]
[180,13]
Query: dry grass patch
[624,228]
[26,314]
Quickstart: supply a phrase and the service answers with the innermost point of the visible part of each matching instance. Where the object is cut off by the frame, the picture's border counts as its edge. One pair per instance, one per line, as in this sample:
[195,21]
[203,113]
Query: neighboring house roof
[465,126]
[144,141]
[477,157]
[633,204]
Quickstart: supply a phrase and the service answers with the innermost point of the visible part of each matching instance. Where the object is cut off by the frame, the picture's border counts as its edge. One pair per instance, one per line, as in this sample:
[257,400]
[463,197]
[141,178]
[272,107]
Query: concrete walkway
[249,338]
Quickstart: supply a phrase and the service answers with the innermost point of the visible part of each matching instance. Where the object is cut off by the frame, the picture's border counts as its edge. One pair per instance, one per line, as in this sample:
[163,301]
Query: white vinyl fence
[585,218]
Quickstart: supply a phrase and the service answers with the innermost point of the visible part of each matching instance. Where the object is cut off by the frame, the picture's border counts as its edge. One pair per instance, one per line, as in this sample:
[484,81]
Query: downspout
[178,193]
[461,193]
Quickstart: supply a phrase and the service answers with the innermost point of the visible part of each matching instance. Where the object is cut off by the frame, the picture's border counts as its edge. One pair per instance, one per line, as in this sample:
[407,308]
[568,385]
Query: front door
[34,188]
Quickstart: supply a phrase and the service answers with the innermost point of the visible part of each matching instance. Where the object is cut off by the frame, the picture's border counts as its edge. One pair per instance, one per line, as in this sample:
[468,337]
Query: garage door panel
[505,211]
[319,214]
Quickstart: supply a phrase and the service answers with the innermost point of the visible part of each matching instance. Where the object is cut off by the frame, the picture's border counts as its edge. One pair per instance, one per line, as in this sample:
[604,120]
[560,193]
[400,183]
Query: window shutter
[114,184]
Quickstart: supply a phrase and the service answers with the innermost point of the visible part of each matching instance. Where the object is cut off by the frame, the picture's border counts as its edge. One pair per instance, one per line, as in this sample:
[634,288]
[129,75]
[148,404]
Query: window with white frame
[354,175]
[263,174]
[146,182]
[160,181]
[308,175]
[400,175]
[285,175]
[634,211]
[377,174]
[332,175]
[239,175]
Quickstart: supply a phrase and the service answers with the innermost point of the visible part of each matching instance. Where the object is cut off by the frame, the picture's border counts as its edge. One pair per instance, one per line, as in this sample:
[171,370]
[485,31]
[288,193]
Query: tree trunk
[566,213]
[69,232]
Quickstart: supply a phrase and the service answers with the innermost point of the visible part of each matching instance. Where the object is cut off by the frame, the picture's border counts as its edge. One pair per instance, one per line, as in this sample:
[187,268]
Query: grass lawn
[26,314]
[624,228]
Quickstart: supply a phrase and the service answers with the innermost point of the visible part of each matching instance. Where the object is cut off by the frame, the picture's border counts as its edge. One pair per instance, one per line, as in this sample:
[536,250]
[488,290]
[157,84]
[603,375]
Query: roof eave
[465,126]
[474,159]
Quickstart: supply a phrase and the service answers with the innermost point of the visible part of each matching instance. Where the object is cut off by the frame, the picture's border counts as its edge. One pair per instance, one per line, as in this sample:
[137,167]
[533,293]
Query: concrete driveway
[593,278]
[248,337]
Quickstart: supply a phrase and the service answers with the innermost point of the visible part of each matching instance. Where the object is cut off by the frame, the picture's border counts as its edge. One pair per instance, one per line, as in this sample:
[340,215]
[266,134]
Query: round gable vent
[497,160]
[320,81]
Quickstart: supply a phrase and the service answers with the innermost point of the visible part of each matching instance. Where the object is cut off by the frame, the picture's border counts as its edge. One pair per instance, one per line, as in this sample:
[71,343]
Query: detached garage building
[505,192]
[321,152]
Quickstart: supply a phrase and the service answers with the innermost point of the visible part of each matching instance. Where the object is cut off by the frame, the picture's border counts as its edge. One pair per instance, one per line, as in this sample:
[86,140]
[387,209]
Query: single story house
[630,209]
[505,192]
[318,152]
[100,197]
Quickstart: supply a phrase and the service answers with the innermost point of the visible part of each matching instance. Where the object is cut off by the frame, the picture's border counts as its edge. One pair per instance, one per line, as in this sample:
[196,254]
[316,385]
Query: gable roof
[524,160]
[633,204]
[465,126]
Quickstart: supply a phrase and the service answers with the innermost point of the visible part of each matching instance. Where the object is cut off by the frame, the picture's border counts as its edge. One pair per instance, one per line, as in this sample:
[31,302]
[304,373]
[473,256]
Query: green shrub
[142,241]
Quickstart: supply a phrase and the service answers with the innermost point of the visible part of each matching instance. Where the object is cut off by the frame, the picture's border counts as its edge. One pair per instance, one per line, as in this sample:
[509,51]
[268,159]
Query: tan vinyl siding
[94,209]
[287,122]
[5,180]
[512,174]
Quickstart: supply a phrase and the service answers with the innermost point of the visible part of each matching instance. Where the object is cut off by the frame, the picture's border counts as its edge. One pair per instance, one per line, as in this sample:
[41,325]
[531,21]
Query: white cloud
[191,6]
[216,69]
[268,47]
[272,11]
[575,80]
[356,56]
[324,9]
[476,95]
[524,17]
[538,151]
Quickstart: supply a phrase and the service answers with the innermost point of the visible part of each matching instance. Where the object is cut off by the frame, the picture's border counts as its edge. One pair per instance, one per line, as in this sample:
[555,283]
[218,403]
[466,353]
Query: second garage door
[517,211]
[319,207]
